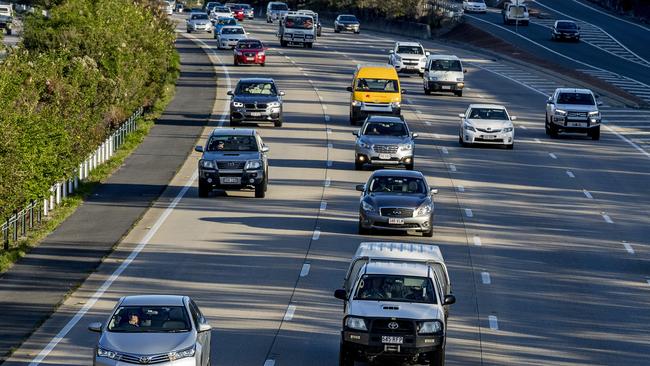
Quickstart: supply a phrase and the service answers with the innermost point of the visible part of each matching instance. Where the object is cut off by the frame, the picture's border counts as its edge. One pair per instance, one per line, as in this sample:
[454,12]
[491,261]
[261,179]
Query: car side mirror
[349,88]
[427,53]
[356,133]
[341,294]
[282,94]
[464,71]
[198,148]
[414,135]
[434,191]
[513,118]
[229,92]
[461,115]
[550,101]
[95,327]
[204,327]
[449,300]
[403,91]
[599,103]
[265,149]
[360,187]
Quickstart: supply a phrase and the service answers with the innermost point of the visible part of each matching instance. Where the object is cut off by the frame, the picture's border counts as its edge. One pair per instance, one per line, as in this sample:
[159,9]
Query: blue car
[222,22]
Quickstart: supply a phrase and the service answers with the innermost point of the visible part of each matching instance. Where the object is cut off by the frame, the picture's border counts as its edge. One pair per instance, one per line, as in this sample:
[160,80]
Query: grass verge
[69,205]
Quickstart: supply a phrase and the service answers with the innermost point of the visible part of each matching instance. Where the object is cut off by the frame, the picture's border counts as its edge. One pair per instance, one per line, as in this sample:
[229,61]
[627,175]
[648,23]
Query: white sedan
[486,124]
[229,36]
[474,6]
[220,11]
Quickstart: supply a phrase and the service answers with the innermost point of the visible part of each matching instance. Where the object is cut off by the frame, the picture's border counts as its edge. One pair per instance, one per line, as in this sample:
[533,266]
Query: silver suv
[573,110]
[384,141]
[233,159]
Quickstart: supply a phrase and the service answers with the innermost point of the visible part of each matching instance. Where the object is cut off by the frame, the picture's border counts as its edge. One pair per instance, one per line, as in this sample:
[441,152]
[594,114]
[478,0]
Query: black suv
[256,99]
[565,29]
[233,159]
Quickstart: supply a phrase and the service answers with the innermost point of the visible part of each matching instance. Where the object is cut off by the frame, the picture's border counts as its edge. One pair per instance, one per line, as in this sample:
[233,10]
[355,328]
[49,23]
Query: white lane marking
[570,174]
[328,182]
[287,57]
[477,241]
[305,270]
[328,131]
[460,189]
[320,98]
[269,363]
[330,146]
[310,81]
[607,218]
[637,147]
[552,155]
[428,123]
[289,314]
[136,251]
[445,151]
[628,247]
[323,205]
[407,100]
[524,128]
[436,136]
[329,163]
[468,212]
[324,107]
[485,277]
[327,118]
[494,322]
[418,111]
[538,141]
[587,194]
[648,281]
[452,167]
[316,235]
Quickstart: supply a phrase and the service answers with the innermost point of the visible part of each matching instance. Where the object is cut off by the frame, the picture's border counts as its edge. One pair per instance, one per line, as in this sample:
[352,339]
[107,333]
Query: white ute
[396,304]
[408,57]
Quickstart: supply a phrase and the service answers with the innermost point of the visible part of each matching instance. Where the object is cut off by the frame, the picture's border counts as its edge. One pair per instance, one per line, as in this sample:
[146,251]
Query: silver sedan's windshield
[395,288]
[150,319]
[404,185]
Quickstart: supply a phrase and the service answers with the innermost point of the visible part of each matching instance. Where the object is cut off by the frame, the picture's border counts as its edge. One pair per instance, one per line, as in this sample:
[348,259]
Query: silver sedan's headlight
[355,323]
[207,164]
[430,327]
[364,145]
[103,352]
[424,209]
[367,207]
[274,104]
[189,352]
[253,164]
[559,112]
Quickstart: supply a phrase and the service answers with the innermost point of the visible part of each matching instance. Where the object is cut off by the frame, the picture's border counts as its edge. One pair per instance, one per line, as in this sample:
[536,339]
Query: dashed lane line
[570,174]
[485,277]
[477,241]
[494,322]
[607,218]
[288,315]
[305,270]
[587,194]
[628,247]
[468,212]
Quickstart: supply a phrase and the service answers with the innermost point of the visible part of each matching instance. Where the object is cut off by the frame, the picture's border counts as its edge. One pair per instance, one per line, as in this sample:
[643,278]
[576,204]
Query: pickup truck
[396,298]
[297,28]
[515,13]
[6,17]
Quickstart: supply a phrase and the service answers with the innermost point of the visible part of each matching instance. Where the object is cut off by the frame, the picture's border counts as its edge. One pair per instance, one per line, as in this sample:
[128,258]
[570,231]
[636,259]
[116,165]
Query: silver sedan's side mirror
[513,118]
[461,115]
[95,327]
[204,327]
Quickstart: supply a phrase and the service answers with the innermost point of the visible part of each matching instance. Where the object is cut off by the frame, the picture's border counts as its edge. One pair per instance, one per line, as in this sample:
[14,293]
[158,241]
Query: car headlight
[253,164]
[468,127]
[424,209]
[406,147]
[394,104]
[237,104]
[367,207]
[433,78]
[189,352]
[356,103]
[364,145]
[430,327]
[274,104]
[398,57]
[355,323]
[207,164]
[594,114]
[103,352]
[560,112]
[508,129]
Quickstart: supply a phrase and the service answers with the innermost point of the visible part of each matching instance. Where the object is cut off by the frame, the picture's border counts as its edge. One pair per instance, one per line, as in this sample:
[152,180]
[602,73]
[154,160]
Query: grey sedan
[153,329]
[396,200]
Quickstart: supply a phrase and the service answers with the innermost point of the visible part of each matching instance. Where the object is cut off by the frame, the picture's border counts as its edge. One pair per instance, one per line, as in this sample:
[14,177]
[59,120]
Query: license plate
[446,87]
[392,339]
[394,221]
[489,137]
[577,124]
[250,58]
[256,114]
[384,156]
[230,180]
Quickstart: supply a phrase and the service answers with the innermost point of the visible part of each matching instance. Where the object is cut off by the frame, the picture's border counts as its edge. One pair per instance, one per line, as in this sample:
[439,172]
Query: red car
[249,51]
[238,12]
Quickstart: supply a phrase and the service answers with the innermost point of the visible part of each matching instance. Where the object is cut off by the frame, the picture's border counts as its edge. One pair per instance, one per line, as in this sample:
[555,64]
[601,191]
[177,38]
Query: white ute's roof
[399,252]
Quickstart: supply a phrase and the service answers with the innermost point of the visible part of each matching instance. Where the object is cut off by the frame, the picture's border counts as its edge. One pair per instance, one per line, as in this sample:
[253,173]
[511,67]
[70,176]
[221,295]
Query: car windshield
[221,9]
[446,65]
[247,45]
[244,6]
[377,85]
[405,185]
[395,288]
[477,1]
[385,129]
[299,22]
[410,50]
[575,98]
[254,88]
[232,143]
[228,21]
[232,30]
[567,25]
[279,7]
[149,319]
[488,113]
[348,18]
[199,16]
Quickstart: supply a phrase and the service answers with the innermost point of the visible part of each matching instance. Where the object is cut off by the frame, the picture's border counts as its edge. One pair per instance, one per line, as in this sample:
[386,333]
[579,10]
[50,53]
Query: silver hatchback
[384,140]
[165,330]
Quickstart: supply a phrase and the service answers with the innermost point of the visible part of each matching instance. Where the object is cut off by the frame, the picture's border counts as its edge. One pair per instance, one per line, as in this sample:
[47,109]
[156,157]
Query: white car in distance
[220,11]
[474,6]
[229,36]
[486,124]
[408,57]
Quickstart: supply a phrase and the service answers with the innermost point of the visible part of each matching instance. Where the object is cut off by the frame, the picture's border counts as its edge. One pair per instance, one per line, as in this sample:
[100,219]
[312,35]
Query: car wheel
[353,119]
[260,189]
[410,166]
[204,190]
[278,123]
[283,43]
[553,129]
[357,32]
[234,123]
[511,146]
[336,30]
[547,129]
[236,62]
[595,133]
[459,93]
[358,165]
[189,30]
[427,91]
[362,231]
[462,142]
[8,31]
[437,358]
[428,233]
[263,64]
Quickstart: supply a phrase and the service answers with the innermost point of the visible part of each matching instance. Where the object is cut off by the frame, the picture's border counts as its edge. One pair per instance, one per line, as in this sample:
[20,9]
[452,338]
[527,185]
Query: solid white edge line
[468,212]
[628,247]
[328,182]
[494,322]
[329,163]
[485,277]
[637,147]
[327,118]
[143,243]
[428,123]
[305,270]
[538,140]
[587,194]
[288,315]
[477,241]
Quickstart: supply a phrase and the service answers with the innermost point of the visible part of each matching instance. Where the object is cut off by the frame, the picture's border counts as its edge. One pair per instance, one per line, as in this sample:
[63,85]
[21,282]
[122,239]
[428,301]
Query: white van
[444,73]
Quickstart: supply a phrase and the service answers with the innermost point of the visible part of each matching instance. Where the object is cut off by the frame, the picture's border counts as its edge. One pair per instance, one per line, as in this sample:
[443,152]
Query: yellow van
[375,90]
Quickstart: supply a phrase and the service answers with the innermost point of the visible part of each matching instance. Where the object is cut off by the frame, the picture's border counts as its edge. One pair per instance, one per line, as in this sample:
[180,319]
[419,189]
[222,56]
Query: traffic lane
[581,51]
[629,35]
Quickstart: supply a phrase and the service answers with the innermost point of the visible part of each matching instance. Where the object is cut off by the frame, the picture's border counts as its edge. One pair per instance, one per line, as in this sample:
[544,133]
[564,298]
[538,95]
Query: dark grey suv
[233,159]
[256,100]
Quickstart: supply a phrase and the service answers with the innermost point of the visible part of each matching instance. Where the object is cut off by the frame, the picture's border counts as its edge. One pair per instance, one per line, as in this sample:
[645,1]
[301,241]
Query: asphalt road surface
[547,244]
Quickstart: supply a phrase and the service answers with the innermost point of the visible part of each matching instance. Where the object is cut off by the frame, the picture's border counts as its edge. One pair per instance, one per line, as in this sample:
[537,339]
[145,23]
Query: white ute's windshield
[395,288]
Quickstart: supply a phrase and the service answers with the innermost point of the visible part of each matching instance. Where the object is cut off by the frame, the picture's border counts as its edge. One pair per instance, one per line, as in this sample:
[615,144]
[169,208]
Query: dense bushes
[76,77]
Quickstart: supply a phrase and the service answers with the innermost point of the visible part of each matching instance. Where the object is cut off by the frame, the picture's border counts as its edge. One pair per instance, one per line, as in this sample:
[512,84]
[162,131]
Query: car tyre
[428,233]
[553,132]
[357,32]
[336,30]
[459,93]
[277,123]
[362,231]
[283,43]
[410,166]
[263,64]
[358,165]
[595,133]
[427,91]
[8,31]
[437,358]
[462,142]
[236,62]
[547,127]
[234,123]
[204,190]
[511,146]
[260,189]
[189,30]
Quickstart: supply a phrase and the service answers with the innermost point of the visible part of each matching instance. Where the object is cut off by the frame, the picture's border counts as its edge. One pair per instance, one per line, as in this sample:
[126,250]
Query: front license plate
[250,58]
[577,124]
[489,137]
[446,87]
[394,221]
[230,180]
[392,340]
[384,156]
[256,114]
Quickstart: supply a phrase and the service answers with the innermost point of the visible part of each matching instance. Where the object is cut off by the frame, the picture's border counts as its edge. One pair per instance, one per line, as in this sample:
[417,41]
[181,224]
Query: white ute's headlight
[406,147]
[430,327]
[560,112]
[356,323]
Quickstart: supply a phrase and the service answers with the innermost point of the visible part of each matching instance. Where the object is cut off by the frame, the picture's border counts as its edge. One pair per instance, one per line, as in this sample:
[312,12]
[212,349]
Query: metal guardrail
[22,221]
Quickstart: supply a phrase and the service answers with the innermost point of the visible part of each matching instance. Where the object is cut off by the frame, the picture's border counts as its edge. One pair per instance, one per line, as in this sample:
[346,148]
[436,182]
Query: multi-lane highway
[547,244]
